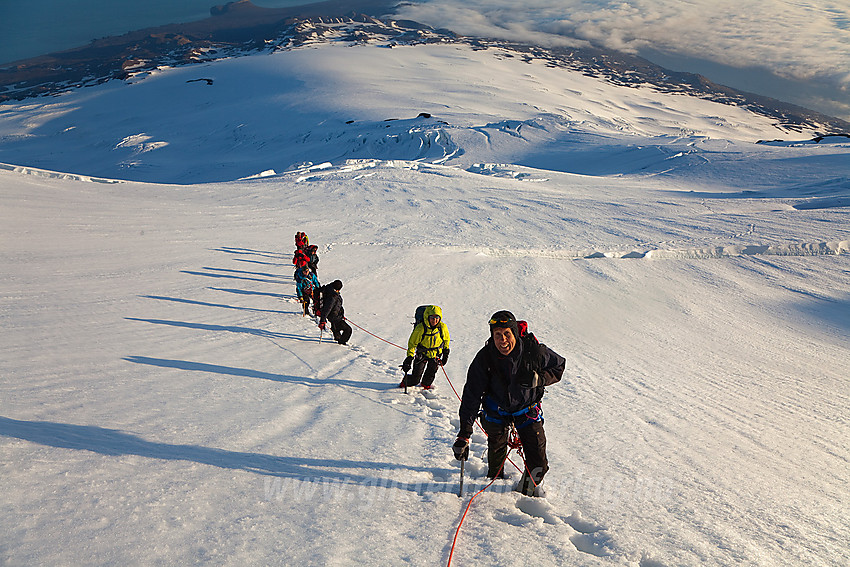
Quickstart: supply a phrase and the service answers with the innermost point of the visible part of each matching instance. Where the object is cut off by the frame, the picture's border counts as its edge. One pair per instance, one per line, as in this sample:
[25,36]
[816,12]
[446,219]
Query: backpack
[419,316]
[300,259]
[321,294]
[307,287]
[532,357]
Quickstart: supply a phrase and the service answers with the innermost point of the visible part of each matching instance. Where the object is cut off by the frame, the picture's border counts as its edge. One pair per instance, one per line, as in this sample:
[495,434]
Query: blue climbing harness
[494,414]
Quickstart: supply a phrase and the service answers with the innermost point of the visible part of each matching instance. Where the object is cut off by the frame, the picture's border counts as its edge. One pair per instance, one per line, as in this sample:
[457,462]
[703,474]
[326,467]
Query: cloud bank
[803,42]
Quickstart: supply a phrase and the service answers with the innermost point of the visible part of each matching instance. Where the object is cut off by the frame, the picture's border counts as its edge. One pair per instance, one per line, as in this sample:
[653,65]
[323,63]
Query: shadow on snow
[112,442]
[249,252]
[229,329]
[228,276]
[222,305]
[248,373]
[831,312]
[246,292]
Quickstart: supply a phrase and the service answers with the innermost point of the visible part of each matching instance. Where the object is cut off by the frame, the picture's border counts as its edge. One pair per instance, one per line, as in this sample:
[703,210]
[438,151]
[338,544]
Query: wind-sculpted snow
[828,194]
[53,174]
[410,140]
[795,249]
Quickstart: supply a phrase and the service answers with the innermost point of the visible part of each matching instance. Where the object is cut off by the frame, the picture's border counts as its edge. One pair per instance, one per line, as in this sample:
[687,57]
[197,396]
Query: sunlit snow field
[163,401]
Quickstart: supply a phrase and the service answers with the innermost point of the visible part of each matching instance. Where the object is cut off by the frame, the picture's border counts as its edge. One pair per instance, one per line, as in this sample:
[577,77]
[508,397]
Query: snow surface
[163,402]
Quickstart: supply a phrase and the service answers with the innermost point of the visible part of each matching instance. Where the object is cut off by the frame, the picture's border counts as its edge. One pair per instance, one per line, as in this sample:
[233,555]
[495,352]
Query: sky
[164,402]
[26,32]
[791,50]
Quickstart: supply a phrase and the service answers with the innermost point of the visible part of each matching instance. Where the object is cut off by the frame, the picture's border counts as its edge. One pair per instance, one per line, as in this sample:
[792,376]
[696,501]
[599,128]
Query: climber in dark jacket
[507,379]
[313,256]
[331,310]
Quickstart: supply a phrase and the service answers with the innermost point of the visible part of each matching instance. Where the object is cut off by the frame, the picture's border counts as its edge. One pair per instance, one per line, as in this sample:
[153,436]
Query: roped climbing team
[505,382]
[326,300]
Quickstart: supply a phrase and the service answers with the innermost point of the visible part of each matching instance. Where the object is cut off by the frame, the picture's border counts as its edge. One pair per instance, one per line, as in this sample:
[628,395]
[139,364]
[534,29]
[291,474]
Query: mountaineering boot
[498,475]
[527,487]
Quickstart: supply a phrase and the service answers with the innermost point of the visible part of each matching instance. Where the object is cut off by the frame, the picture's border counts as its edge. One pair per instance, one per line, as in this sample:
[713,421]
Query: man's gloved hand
[461,448]
[408,362]
[445,358]
[322,325]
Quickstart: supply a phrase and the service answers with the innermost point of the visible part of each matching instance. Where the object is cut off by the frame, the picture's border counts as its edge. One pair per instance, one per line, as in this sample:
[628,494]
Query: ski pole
[321,332]
[460,491]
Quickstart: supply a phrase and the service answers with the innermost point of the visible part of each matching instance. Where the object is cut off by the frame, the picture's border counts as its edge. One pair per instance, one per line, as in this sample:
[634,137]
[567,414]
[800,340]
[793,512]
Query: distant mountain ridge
[241,28]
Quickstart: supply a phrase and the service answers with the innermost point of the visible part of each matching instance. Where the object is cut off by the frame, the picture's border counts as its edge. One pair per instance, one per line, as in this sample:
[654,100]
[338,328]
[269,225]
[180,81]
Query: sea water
[29,28]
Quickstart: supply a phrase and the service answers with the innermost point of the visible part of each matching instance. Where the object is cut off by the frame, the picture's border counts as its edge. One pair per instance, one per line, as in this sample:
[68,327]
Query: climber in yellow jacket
[427,348]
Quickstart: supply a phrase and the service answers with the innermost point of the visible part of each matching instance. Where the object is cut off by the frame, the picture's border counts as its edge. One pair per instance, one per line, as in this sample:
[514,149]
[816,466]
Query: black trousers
[316,298]
[424,370]
[341,330]
[533,440]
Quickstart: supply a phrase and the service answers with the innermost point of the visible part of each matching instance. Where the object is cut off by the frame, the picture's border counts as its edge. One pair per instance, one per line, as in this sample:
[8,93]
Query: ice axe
[404,380]
[461,451]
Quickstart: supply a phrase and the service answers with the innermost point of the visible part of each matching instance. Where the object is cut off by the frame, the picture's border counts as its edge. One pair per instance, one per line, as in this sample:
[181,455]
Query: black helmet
[504,320]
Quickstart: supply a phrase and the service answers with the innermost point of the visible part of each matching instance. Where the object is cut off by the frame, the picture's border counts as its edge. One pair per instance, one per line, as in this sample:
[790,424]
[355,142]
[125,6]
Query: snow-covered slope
[330,102]
[163,402]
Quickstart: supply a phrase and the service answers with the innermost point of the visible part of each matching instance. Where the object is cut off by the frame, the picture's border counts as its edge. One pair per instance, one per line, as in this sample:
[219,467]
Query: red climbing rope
[462,518]
[450,383]
[513,443]
[374,335]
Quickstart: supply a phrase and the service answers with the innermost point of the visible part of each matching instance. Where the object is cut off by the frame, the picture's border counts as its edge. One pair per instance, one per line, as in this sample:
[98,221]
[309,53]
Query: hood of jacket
[432,310]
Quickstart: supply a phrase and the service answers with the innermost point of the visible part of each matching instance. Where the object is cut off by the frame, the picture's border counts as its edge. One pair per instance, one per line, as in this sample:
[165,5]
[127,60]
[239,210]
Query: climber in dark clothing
[507,379]
[331,310]
[313,262]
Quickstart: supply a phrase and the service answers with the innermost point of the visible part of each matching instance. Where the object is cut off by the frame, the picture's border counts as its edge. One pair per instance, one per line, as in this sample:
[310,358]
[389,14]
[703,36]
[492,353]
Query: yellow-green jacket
[427,339]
